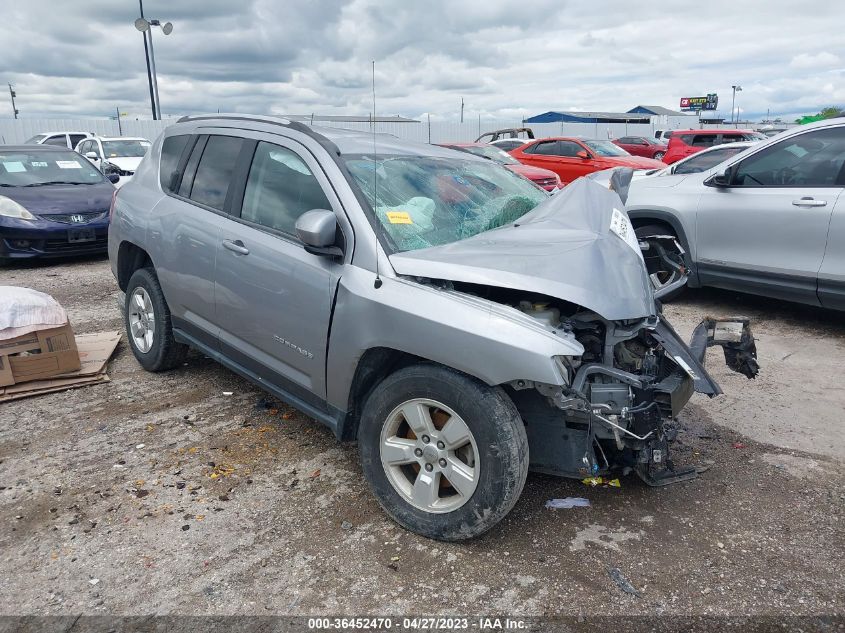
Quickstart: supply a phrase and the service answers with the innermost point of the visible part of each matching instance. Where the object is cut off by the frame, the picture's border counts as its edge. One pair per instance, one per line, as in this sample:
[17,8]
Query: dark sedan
[53,203]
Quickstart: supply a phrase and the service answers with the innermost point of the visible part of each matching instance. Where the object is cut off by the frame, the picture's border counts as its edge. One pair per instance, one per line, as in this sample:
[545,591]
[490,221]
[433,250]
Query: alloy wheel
[141,320]
[429,455]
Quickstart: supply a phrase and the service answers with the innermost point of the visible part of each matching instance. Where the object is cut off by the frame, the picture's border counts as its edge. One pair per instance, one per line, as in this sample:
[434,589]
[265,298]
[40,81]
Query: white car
[700,161]
[60,139]
[119,155]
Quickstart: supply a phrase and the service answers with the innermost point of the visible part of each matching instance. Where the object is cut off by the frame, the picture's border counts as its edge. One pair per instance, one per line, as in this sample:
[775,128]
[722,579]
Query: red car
[546,179]
[642,146]
[571,158]
[685,143]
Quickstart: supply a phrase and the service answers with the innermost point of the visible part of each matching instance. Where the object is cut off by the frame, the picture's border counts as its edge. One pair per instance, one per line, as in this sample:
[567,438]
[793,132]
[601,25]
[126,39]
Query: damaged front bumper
[621,414]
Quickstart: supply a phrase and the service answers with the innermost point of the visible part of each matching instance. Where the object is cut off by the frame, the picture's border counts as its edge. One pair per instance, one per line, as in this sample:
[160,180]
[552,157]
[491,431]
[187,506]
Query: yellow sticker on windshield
[399,217]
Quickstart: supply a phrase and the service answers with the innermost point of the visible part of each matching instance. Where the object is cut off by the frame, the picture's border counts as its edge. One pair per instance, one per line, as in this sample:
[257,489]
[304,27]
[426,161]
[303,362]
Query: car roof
[33,148]
[344,141]
[465,144]
[119,138]
[727,130]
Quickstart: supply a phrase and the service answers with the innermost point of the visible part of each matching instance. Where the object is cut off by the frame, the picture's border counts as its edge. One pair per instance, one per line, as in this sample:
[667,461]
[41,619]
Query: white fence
[14,131]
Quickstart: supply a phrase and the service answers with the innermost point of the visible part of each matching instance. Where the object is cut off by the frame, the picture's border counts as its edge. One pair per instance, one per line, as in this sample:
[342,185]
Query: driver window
[279,189]
[570,149]
[814,159]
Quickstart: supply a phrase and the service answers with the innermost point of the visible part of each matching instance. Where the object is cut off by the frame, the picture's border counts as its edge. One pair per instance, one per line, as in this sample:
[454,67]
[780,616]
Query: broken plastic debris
[140,446]
[601,481]
[94,581]
[569,502]
[738,445]
[228,393]
[622,582]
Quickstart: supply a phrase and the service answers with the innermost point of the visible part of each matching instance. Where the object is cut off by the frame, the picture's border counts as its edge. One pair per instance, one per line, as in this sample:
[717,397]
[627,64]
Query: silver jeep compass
[459,323]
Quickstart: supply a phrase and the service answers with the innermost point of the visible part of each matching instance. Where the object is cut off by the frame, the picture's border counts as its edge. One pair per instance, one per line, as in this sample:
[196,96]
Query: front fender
[492,342]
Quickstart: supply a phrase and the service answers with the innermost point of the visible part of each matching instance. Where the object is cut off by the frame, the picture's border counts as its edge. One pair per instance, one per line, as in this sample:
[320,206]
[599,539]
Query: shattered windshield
[427,201]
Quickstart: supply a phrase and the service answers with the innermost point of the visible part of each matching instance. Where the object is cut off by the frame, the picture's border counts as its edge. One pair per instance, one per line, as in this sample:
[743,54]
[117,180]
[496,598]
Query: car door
[273,298]
[766,232]
[184,228]
[542,154]
[832,271]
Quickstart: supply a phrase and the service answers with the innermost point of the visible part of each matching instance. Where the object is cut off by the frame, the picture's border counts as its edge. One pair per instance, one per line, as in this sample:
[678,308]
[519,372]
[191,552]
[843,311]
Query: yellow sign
[399,217]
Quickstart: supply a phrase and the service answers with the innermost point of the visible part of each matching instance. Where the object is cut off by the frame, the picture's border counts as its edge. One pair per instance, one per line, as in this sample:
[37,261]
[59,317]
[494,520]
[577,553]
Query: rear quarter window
[171,153]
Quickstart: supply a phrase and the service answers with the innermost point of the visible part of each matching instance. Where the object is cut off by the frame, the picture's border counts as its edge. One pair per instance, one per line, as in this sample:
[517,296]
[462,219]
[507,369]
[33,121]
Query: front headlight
[11,209]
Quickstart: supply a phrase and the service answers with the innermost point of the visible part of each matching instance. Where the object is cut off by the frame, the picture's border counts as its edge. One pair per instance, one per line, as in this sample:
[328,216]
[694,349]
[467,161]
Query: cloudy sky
[506,58]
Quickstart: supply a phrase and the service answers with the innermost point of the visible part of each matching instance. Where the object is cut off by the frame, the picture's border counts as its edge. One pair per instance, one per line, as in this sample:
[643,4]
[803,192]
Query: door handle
[807,201]
[236,246]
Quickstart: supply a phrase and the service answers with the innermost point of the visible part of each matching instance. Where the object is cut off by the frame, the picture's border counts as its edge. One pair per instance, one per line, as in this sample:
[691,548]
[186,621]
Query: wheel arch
[130,257]
[644,217]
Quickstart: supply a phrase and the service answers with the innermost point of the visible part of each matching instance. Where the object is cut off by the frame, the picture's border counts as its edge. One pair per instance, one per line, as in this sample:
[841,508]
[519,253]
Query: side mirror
[722,179]
[92,156]
[583,155]
[317,229]
[113,178]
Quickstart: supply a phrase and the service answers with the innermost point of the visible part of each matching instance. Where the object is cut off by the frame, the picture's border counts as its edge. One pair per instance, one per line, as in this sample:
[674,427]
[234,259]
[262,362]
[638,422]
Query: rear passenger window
[279,189]
[703,140]
[214,172]
[549,148]
[59,141]
[171,152]
[76,139]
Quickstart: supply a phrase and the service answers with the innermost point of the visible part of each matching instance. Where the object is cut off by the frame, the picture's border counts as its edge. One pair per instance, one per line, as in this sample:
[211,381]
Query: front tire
[148,326]
[445,454]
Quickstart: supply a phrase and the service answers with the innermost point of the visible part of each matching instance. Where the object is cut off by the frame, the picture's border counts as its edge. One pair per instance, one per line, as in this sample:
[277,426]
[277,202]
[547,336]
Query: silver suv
[447,314]
[769,220]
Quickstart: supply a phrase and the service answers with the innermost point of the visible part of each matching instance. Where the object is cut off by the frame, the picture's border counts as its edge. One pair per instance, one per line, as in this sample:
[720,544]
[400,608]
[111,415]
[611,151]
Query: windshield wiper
[56,182]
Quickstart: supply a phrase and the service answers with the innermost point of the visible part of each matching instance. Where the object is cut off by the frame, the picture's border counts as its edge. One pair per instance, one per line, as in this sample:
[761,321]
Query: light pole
[13,94]
[733,105]
[145,26]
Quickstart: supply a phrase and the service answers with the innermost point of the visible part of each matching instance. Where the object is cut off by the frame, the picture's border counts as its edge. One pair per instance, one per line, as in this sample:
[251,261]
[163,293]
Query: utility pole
[13,94]
[462,109]
[147,59]
[119,128]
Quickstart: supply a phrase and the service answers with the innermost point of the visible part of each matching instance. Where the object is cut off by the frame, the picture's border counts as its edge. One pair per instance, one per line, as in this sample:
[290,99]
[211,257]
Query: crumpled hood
[563,248]
[126,163]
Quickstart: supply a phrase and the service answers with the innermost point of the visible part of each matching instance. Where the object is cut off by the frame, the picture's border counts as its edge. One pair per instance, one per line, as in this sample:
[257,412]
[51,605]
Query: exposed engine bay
[617,407]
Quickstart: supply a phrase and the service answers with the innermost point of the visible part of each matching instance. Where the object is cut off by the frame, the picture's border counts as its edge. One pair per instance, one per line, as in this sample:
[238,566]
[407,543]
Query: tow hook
[733,335]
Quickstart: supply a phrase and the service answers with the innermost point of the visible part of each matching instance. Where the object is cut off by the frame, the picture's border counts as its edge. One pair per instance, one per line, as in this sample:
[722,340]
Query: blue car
[53,203]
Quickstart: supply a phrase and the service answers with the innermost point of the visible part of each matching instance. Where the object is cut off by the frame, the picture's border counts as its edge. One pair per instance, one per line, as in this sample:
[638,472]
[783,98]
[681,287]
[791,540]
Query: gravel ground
[157,493]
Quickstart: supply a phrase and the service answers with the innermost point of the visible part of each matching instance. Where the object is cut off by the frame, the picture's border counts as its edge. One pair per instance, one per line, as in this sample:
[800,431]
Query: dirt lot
[161,494]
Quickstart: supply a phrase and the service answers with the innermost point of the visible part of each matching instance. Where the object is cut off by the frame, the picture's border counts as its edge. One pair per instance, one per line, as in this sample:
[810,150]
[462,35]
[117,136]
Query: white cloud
[504,58]
[818,61]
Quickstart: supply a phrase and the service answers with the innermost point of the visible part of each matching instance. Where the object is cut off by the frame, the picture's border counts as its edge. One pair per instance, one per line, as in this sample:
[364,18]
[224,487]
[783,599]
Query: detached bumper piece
[733,335]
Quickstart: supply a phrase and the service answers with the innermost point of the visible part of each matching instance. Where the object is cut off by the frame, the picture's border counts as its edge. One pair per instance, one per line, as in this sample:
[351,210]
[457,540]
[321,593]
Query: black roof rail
[270,120]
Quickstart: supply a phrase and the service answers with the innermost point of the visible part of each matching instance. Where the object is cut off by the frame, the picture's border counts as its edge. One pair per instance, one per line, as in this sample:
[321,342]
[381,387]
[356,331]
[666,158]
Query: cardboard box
[38,355]
[94,353]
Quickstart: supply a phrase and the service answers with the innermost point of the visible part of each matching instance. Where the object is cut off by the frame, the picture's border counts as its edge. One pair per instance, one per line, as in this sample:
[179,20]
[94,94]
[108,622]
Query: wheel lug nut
[441,445]
[429,467]
[418,452]
[442,463]
[426,439]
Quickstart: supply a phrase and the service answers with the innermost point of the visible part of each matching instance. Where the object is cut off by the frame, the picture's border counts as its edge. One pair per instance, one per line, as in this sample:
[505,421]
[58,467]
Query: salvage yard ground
[160,493]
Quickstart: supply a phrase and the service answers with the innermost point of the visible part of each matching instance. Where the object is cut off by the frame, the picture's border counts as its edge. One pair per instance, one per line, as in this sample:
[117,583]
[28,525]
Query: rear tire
[445,454]
[660,276]
[148,326]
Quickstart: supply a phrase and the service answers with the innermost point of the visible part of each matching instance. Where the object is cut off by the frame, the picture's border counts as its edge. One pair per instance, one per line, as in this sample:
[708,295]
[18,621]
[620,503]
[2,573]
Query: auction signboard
[710,102]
